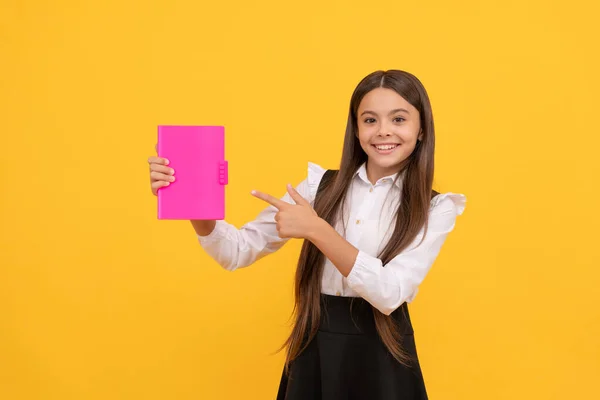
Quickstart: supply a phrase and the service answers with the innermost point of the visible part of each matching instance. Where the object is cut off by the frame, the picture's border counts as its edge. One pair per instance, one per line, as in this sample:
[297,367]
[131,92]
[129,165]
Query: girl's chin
[386,160]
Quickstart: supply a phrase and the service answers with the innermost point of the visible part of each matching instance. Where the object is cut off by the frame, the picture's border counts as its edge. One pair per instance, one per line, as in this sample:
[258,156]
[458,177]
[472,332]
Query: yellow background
[99,300]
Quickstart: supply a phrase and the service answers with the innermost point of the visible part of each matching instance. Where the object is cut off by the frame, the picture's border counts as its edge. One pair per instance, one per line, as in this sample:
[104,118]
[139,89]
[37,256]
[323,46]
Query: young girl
[371,231]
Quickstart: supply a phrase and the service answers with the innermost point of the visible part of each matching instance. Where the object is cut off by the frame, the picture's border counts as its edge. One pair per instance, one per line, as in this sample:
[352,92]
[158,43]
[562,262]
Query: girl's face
[388,129]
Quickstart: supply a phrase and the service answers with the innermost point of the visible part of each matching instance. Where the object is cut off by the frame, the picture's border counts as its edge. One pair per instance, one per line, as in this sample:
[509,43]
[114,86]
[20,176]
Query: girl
[371,231]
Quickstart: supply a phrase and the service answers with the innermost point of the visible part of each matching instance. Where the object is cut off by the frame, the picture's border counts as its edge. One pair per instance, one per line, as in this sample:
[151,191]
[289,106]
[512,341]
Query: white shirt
[369,210]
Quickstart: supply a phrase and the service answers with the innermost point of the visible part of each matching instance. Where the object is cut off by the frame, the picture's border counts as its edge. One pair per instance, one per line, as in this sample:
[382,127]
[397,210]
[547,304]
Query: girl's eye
[398,119]
[370,120]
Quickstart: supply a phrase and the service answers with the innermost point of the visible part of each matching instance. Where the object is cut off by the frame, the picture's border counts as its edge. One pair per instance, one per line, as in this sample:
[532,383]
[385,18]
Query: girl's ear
[420,137]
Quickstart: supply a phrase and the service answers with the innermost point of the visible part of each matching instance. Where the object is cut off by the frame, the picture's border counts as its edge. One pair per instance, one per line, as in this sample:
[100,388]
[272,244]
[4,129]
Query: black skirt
[348,361]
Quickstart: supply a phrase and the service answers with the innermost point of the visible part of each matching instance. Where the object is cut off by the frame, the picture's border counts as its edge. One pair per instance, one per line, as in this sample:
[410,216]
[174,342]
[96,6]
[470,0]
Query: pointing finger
[275,202]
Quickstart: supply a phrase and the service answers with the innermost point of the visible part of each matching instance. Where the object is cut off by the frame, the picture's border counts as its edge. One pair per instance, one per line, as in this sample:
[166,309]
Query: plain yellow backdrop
[100,300]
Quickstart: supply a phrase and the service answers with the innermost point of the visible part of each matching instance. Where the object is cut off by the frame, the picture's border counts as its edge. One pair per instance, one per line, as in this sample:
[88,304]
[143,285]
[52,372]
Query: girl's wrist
[317,227]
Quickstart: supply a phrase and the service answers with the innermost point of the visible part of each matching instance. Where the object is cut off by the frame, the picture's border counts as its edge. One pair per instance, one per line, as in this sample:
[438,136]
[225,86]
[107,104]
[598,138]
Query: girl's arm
[334,246]
[386,288]
[234,248]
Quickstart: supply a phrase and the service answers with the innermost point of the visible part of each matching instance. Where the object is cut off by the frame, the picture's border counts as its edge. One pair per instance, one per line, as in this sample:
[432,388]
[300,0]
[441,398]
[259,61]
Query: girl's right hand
[160,174]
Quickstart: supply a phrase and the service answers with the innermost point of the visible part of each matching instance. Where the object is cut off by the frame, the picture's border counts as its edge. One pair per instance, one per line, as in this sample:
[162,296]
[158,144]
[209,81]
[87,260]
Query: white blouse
[368,211]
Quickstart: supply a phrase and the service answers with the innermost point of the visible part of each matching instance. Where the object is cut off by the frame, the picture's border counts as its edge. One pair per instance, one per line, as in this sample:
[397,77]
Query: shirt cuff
[220,232]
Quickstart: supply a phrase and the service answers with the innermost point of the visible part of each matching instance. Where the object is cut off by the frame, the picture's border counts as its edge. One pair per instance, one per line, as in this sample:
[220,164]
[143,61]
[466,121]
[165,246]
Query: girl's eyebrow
[391,112]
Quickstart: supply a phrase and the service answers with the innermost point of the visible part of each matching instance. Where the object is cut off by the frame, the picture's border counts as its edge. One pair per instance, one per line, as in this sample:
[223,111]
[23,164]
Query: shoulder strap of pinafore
[325,180]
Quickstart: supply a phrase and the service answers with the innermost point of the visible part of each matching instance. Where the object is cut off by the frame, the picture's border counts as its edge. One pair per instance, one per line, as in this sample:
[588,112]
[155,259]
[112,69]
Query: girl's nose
[385,129]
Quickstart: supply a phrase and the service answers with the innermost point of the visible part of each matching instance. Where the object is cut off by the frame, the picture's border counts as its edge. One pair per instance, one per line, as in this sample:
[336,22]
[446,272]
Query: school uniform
[347,360]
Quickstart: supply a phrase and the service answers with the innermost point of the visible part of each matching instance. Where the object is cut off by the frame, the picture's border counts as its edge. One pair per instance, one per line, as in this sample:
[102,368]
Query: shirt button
[357,221]
[338,293]
[371,190]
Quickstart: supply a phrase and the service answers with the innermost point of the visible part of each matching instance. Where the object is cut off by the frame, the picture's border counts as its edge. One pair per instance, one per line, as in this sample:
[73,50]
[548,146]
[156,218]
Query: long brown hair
[412,213]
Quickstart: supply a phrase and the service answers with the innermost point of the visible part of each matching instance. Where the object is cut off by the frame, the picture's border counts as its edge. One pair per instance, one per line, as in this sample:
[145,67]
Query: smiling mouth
[385,148]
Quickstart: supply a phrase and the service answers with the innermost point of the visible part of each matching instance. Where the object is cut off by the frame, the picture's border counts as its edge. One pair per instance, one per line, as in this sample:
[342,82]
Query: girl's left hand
[293,220]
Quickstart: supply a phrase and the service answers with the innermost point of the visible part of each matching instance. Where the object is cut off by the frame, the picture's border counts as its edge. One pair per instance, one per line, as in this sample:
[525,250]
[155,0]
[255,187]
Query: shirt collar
[362,174]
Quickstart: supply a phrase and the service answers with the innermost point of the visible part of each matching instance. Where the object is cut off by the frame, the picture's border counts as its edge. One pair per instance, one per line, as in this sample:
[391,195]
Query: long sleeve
[386,288]
[234,248]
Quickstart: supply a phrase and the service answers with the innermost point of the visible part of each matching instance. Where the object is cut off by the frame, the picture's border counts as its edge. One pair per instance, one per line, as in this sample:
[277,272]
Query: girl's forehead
[383,99]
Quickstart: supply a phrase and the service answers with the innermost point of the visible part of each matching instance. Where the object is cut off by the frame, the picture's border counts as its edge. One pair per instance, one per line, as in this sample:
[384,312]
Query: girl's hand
[293,220]
[160,174]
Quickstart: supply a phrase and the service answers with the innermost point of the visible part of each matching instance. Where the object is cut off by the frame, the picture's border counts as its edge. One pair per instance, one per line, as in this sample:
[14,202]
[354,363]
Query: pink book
[197,154]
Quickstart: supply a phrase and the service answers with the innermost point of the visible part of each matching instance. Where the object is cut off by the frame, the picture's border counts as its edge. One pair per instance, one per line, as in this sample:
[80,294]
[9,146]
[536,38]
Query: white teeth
[387,147]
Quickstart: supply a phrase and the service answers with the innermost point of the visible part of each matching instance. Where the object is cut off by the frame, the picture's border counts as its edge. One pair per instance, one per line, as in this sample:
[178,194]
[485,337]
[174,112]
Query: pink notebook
[197,154]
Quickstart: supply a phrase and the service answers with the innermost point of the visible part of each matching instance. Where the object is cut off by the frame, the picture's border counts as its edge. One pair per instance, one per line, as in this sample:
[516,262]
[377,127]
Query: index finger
[274,201]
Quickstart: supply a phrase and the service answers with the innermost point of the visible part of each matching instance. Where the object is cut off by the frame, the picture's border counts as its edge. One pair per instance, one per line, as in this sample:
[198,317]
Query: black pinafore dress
[347,359]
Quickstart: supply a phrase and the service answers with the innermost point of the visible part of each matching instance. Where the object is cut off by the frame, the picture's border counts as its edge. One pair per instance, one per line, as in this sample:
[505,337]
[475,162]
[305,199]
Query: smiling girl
[371,230]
